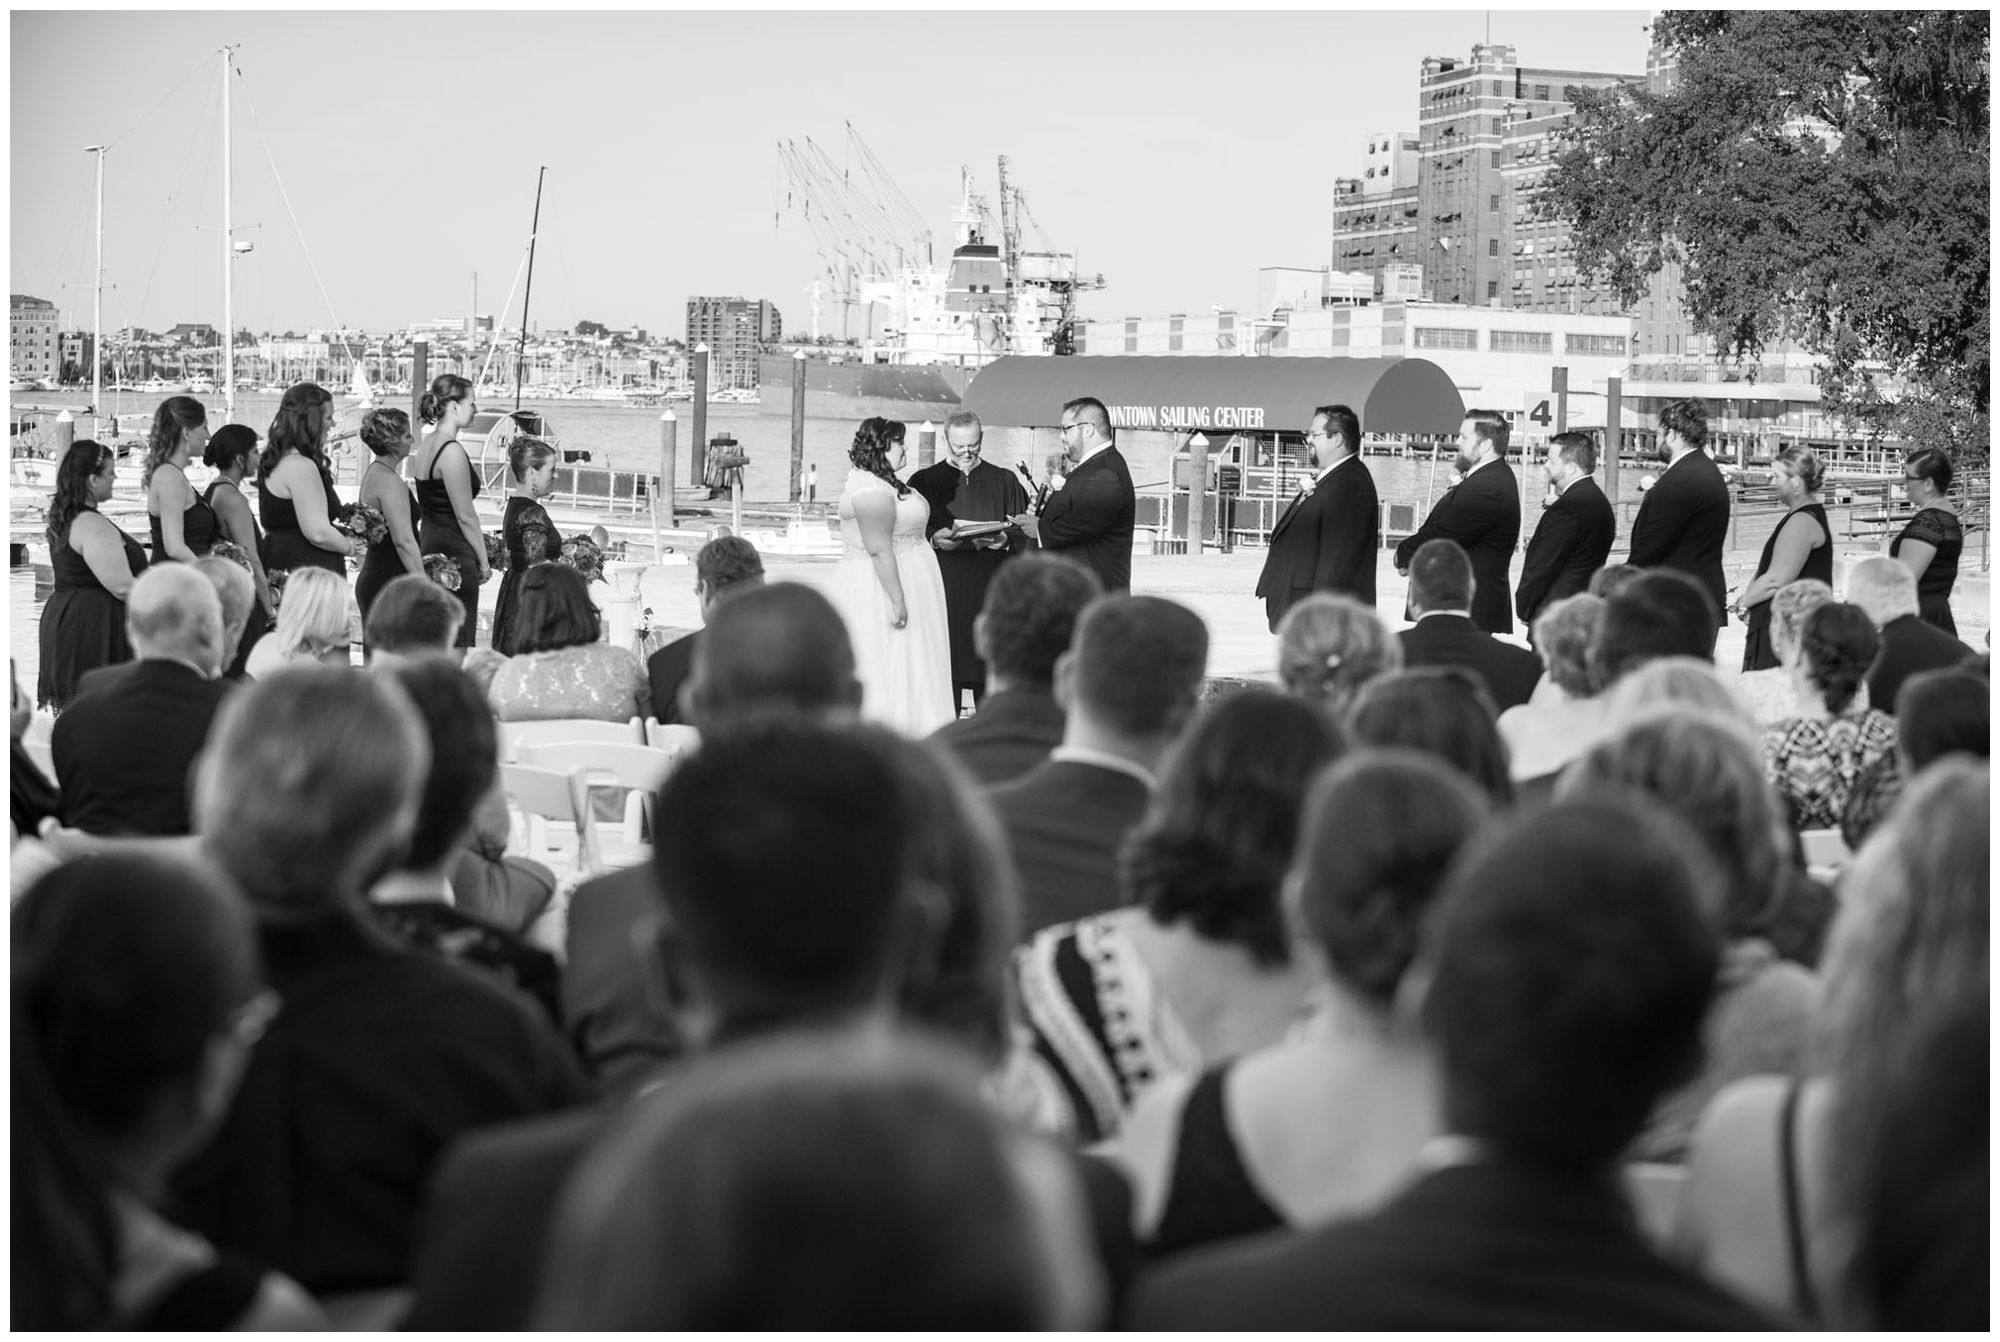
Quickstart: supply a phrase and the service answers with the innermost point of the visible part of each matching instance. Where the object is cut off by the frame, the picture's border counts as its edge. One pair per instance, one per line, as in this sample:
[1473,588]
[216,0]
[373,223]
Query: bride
[888,590]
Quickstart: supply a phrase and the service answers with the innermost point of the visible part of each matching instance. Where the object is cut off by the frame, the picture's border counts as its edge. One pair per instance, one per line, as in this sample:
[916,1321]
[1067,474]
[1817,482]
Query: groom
[1327,539]
[1090,517]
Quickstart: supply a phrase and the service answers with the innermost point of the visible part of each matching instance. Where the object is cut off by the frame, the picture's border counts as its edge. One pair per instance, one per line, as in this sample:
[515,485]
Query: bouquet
[442,570]
[496,552]
[234,553]
[361,522]
[584,555]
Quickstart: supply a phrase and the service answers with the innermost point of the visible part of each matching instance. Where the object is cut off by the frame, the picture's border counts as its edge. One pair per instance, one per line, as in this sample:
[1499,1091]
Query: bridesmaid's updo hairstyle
[870,451]
[526,454]
[383,430]
[1806,465]
[80,465]
[445,388]
[176,415]
[300,426]
[228,445]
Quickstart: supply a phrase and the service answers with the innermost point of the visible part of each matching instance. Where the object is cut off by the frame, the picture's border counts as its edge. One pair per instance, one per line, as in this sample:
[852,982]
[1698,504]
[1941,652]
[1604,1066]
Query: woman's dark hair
[1379,831]
[526,454]
[79,466]
[228,445]
[1928,463]
[176,415]
[383,430]
[870,450]
[1216,837]
[445,388]
[1837,645]
[465,752]
[1944,712]
[299,426]
[556,610]
[126,969]
[1443,711]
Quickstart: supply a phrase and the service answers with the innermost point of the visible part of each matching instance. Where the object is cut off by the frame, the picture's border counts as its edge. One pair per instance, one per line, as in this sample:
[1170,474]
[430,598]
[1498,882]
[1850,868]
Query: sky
[1175,151]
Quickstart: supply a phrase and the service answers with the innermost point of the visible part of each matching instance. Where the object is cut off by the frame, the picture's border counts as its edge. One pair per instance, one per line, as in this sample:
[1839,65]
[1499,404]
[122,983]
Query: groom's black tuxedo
[1325,541]
[1090,519]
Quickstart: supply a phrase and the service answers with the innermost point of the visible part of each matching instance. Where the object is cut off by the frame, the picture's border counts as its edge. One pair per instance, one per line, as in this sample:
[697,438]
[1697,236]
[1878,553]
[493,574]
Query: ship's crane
[1044,269]
[863,226]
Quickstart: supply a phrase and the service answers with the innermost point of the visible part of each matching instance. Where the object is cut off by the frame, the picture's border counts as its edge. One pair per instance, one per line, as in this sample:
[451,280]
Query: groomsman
[1326,539]
[1683,521]
[1573,537]
[1482,513]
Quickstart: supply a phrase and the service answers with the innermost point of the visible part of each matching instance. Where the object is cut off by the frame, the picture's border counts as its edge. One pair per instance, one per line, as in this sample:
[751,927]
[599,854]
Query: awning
[1217,393]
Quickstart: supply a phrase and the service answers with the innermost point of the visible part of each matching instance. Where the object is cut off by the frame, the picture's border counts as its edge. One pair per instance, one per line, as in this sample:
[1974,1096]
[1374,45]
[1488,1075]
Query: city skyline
[1177,187]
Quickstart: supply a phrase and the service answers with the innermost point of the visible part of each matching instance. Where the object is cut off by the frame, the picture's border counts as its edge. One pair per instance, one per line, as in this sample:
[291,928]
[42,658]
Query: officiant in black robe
[962,492]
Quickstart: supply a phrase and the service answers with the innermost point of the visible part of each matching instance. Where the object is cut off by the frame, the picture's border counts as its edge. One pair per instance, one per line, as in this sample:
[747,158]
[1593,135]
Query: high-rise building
[1375,214]
[32,351]
[735,331]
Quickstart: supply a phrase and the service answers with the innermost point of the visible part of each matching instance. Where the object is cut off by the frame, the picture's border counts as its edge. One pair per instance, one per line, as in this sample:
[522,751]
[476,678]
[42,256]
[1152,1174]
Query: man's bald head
[173,611]
[1883,587]
[782,646]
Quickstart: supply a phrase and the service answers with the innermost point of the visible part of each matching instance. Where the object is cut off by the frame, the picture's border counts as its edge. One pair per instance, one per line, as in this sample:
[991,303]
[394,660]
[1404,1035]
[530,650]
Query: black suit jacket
[1909,645]
[1091,516]
[1510,673]
[1324,542]
[667,669]
[611,1010]
[1064,823]
[1012,732]
[1473,1247]
[122,750]
[1483,514]
[1683,523]
[1572,540]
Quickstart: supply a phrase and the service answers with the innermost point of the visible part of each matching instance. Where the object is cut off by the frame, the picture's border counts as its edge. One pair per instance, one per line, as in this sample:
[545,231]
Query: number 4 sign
[1540,409]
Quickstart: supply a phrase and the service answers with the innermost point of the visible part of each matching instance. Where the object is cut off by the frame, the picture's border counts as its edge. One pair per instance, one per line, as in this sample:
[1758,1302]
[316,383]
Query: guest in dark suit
[1560,1017]
[1659,613]
[1885,588]
[1027,623]
[1442,592]
[1090,517]
[122,750]
[1574,534]
[1128,684]
[1482,513]
[724,565]
[1326,540]
[962,488]
[1683,521]
[414,617]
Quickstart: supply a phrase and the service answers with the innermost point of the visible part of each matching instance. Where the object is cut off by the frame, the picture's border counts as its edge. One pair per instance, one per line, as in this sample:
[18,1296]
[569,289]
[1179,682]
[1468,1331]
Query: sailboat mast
[97,296]
[521,353]
[228,261]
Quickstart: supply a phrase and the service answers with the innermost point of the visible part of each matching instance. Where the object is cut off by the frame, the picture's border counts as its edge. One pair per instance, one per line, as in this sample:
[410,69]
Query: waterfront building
[735,331]
[32,349]
[75,351]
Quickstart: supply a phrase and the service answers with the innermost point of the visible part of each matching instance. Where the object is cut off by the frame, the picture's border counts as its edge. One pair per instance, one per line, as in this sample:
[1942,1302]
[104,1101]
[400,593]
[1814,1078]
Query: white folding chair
[43,756]
[1655,1193]
[1826,853]
[639,768]
[40,727]
[542,795]
[674,736]
[595,852]
[514,734]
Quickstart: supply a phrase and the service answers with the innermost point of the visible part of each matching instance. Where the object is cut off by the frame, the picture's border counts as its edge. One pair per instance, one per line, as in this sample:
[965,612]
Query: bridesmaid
[229,453]
[1931,541]
[387,434]
[445,488]
[83,622]
[527,529]
[182,523]
[1800,546]
[295,489]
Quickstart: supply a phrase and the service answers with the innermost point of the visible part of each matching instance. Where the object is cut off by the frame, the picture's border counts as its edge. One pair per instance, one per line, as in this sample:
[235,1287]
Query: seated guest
[412,617]
[1550,730]
[709,1208]
[122,752]
[723,566]
[416,901]
[1559,1018]
[1925,1202]
[312,625]
[559,669]
[1686,681]
[1441,711]
[1128,683]
[237,591]
[1026,623]
[1885,588]
[381,1056]
[1707,770]
[1330,645]
[1660,613]
[1199,968]
[1776,1175]
[1441,587]
[780,648]
[136,999]
[1327,1122]
[1612,579]
[31,797]
[1769,692]
[1938,713]
[1814,758]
